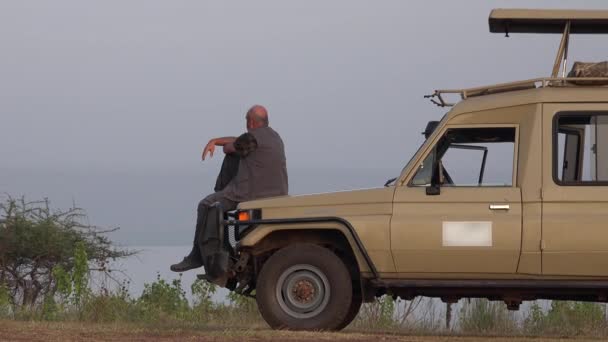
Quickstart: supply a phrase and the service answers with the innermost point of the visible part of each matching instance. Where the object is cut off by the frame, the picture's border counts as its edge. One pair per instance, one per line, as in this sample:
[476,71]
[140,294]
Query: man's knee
[206,202]
[202,205]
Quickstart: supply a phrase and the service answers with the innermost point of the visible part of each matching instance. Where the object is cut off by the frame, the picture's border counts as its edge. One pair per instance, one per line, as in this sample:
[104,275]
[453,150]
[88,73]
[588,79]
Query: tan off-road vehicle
[507,199]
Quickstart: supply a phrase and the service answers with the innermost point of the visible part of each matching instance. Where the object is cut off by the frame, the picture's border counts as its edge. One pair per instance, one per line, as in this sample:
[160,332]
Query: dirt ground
[70,331]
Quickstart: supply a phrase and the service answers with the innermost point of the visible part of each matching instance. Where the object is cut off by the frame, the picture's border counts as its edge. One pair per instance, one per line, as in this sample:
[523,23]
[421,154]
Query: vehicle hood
[353,202]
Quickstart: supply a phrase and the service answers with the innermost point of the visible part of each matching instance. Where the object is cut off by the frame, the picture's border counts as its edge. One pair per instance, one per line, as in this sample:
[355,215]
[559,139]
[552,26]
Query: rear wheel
[304,287]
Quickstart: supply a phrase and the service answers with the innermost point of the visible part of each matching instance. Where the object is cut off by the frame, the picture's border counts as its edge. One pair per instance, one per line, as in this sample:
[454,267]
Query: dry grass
[75,331]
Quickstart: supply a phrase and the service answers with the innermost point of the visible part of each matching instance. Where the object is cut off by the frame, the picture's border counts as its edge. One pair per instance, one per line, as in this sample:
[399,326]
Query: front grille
[231,232]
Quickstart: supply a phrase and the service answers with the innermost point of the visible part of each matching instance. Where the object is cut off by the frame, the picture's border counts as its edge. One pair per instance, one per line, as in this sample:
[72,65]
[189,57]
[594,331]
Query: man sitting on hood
[262,172]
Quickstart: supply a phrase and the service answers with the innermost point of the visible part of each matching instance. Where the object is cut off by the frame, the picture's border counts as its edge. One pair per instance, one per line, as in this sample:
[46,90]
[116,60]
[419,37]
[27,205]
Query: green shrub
[379,314]
[110,308]
[566,318]
[5,301]
[535,320]
[80,273]
[240,309]
[482,316]
[243,303]
[163,299]
[203,307]
[72,286]
[50,309]
[202,291]
[39,244]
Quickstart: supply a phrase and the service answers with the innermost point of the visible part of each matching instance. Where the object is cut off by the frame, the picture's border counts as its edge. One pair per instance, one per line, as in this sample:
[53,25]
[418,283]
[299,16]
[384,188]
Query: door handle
[499,207]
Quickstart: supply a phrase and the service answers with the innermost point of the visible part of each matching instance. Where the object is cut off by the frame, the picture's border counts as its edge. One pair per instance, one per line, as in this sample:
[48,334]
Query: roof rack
[534,83]
[538,21]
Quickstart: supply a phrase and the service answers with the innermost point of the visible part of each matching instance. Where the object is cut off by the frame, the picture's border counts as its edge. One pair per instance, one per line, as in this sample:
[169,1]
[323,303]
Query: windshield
[423,144]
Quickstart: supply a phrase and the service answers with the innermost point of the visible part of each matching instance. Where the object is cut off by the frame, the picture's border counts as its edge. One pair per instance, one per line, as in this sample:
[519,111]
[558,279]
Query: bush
[378,314]
[202,291]
[482,316]
[50,309]
[110,306]
[5,301]
[240,308]
[163,299]
[566,318]
[243,303]
[38,244]
[73,286]
[203,306]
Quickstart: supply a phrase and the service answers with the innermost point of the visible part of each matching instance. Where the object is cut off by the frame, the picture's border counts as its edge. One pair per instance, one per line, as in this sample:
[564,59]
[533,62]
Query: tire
[304,287]
[353,311]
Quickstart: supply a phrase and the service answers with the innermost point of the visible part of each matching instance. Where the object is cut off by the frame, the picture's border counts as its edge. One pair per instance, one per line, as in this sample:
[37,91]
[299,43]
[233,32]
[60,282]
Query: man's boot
[187,264]
[193,260]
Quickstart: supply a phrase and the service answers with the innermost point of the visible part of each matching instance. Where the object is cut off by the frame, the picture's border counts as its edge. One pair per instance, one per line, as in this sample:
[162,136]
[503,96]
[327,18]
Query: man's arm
[244,145]
[224,141]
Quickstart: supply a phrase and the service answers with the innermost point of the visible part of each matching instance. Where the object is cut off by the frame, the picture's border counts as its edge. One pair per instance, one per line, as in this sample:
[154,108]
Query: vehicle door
[575,190]
[461,211]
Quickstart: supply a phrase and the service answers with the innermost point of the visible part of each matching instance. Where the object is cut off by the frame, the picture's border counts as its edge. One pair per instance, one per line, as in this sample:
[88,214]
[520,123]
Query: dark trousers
[230,167]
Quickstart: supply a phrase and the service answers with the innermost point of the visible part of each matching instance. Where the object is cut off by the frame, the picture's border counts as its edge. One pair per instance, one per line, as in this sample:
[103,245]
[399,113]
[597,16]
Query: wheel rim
[303,291]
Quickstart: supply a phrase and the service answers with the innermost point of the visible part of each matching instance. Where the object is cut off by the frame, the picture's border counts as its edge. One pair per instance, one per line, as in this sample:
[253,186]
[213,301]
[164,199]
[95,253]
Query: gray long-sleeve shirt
[262,168]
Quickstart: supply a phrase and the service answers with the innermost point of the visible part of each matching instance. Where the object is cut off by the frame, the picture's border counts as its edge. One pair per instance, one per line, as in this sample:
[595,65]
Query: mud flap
[215,248]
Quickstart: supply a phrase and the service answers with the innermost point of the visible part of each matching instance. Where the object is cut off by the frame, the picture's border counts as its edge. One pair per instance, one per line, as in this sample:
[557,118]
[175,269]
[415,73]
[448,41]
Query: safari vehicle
[507,199]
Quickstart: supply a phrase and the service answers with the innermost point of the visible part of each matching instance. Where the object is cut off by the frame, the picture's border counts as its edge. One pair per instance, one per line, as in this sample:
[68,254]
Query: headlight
[244,215]
[247,215]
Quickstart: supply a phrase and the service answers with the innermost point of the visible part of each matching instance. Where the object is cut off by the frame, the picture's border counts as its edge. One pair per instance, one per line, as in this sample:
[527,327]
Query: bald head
[257,116]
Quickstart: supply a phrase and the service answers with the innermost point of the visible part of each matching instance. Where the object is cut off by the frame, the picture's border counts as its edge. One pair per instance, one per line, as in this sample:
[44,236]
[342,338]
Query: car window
[419,149]
[424,173]
[472,157]
[580,148]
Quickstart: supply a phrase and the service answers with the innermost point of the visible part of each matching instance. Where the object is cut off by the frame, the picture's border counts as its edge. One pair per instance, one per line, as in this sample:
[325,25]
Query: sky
[108,104]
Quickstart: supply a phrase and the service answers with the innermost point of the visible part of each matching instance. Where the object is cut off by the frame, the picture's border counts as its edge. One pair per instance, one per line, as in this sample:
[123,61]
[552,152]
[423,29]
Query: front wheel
[353,310]
[304,287]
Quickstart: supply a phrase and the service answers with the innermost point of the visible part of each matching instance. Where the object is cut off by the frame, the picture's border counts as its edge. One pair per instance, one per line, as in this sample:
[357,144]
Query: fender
[264,227]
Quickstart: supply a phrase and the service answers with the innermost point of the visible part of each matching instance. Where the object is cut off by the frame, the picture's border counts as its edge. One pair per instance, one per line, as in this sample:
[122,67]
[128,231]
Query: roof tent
[548,21]
[565,22]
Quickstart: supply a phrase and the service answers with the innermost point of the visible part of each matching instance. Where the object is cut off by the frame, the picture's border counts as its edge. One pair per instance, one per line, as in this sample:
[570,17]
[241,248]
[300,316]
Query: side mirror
[433,190]
[436,179]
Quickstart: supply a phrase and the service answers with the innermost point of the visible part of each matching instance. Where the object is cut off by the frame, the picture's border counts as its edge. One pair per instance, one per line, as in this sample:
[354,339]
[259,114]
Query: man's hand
[209,149]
